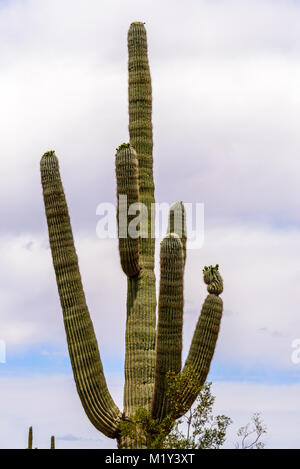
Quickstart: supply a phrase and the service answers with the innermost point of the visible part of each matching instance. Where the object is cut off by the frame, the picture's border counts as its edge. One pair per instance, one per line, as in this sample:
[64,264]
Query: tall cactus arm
[82,342]
[177,224]
[205,335]
[127,195]
[169,327]
[140,125]
[141,295]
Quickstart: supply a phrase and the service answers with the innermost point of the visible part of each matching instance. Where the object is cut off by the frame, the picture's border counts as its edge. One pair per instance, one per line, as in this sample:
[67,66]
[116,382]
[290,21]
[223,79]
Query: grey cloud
[70,437]
[225,125]
[31,312]
[52,406]
[272,333]
[257,296]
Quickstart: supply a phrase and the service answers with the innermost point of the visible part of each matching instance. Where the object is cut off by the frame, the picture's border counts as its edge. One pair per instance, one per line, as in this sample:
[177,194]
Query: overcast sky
[226,107]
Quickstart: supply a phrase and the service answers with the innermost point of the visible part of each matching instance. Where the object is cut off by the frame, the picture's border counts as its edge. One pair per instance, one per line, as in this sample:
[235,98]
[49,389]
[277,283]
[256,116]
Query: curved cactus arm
[127,197]
[82,342]
[177,224]
[169,327]
[205,335]
[30,438]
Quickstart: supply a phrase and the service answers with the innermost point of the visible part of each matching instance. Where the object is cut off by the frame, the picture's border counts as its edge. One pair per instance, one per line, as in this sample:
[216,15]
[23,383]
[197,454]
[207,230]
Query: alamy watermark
[2,351]
[295,356]
[133,221]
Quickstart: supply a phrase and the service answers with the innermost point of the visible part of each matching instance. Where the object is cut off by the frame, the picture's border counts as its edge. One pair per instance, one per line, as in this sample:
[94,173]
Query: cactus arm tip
[136,24]
[49,153]
[213,279]
[123,145]
[177,224]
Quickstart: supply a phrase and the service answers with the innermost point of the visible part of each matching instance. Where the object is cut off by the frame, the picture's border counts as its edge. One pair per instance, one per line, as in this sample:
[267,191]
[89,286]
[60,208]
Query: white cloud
[261,295]
[51,405]
[226,103]
[31,313]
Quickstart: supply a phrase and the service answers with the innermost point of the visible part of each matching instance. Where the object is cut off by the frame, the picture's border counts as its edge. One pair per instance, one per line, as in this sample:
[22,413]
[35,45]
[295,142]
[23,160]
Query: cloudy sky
[226,106]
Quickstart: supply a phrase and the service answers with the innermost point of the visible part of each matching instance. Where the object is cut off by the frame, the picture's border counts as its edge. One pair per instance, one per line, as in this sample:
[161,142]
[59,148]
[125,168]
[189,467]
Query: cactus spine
[150,353]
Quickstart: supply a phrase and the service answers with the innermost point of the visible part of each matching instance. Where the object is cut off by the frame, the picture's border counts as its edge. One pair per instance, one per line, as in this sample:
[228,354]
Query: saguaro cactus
[150,353]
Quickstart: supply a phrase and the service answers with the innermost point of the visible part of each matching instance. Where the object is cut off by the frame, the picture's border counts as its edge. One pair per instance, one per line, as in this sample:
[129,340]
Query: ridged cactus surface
[207,330]
[170,320]
[128,196]
[150,352]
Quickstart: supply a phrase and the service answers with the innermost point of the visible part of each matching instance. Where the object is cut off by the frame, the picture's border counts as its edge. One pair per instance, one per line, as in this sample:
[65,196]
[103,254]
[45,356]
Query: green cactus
[30,438]
[52,443]
[150,353]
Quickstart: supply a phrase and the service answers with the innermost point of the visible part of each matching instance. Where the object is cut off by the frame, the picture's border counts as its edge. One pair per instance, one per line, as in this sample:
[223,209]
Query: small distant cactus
[151,353]
[30,440]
